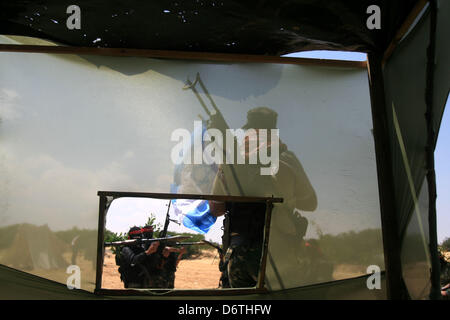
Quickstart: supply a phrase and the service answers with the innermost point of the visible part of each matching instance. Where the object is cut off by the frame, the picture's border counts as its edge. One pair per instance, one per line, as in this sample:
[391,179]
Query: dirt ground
[200,273]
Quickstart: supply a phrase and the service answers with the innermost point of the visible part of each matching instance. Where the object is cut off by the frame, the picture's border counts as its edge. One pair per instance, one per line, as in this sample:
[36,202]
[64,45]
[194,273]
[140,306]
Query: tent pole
[100,242]
[435,292]
[389,223]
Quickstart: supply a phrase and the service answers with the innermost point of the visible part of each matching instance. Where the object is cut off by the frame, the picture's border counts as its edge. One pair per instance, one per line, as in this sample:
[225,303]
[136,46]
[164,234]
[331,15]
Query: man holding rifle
[163,265]
[146,264]
[133,258]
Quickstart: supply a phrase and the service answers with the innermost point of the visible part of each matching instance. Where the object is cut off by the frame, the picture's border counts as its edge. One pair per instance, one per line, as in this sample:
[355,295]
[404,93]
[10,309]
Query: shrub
[445,245]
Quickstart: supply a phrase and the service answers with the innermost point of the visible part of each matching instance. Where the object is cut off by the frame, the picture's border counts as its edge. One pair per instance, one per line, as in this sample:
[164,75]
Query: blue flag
[197,215]
[194,179]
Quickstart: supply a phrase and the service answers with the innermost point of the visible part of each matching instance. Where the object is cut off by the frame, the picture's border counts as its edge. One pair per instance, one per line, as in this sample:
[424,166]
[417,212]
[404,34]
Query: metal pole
[435,292]
[389,223]
[100,239]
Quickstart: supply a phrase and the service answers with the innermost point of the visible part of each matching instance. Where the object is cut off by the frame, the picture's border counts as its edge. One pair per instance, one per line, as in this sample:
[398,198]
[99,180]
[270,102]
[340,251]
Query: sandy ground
[200,273]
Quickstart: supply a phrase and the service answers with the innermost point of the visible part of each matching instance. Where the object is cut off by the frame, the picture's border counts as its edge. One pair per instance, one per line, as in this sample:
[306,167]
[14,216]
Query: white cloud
[43,190]
[9,108]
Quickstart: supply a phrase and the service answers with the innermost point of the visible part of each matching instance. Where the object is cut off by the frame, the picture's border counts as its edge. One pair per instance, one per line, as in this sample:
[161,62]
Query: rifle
[218,114]
[218,119]
[163,233]
[161,261]
[199,243]
[219,249]
[224,281]
[142,241]
[189,243]
[222,125]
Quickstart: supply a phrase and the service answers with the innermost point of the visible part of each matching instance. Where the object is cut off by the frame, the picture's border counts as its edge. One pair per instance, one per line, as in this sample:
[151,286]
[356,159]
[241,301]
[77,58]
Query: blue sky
[442,152]
[442,156]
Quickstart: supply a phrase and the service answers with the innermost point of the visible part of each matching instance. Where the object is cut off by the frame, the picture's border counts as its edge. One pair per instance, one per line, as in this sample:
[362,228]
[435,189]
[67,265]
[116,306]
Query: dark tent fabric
[252,27]
[441,78]
[20,285]
[24,286]
[405,76]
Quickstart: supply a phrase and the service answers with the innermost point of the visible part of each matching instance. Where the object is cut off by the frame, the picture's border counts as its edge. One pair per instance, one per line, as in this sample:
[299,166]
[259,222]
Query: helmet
[261,118]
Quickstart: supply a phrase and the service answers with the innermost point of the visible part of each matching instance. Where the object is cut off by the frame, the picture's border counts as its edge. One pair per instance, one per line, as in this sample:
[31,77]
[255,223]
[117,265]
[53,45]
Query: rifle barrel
[166,224]
[207,94]
[138,241]
[202,103]
[190,243]
[212,244]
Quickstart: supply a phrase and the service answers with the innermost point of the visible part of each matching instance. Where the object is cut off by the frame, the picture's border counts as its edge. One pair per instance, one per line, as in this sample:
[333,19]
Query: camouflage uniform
[243,256]
[445,269]
[162,271]
[243,265]
[171,268]
[158,280]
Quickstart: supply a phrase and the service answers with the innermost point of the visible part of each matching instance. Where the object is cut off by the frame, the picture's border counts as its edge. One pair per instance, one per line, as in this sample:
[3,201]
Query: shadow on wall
[268,75]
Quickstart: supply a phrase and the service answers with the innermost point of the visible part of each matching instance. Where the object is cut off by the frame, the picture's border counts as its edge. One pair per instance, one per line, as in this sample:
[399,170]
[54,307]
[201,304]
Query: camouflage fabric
[445,268]
[163,279]
[445,275]
[243,265]
[162,271]
[170,278]
[158,280]
[224,282]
